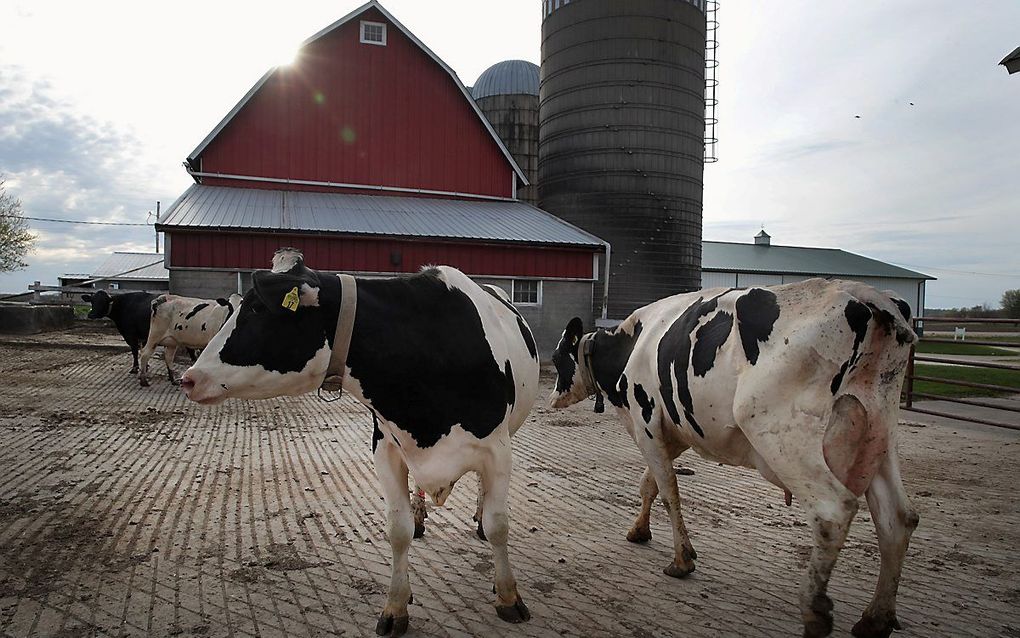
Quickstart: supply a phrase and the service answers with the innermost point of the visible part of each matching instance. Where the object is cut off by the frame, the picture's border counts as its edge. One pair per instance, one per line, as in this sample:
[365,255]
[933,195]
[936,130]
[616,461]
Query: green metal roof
[735,257]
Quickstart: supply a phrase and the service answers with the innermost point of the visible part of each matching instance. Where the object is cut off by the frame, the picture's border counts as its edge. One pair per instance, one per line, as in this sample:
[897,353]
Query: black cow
[129,312]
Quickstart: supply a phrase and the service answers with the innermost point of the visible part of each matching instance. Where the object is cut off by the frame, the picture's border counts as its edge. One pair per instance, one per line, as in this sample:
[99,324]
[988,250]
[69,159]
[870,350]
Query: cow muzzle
[200,389]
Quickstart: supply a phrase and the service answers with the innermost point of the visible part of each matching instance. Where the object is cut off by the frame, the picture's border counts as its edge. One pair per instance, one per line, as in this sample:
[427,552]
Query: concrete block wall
[204,284]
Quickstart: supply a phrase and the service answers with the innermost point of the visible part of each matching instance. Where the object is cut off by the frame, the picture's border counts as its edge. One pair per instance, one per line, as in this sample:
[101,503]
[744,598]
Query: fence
[1013,373]
[69,295]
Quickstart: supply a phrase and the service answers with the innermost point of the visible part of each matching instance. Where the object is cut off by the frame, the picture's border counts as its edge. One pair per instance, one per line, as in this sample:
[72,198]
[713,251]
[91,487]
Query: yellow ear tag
[291,300]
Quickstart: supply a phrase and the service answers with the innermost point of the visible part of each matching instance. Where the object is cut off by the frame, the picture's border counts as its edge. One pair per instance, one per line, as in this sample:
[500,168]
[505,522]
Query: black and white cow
[448,369]
[176,322]
[801,382]
[129,313]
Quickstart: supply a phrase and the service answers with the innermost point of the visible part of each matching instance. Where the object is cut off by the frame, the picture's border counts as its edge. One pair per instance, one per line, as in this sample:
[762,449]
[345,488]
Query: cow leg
[830,519]
[480,509]
[640,531]
[895,520]
[169,352]
[659,457]
[495,485]
[392,473]
[419,510]
[829,504]
[143,362]
[134,355]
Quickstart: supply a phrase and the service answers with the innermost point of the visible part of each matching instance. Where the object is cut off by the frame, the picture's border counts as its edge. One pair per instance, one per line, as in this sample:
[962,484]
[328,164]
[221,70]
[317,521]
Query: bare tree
[16,240]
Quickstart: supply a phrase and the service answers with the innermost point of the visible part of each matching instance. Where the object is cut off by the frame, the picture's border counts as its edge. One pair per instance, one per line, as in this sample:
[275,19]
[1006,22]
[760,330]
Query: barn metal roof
[735,257]
[510,77]
[224,208]
[410,36]
[151,265]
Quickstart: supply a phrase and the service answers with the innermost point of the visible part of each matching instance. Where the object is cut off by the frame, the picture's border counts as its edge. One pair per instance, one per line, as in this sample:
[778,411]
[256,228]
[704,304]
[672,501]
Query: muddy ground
[130,512]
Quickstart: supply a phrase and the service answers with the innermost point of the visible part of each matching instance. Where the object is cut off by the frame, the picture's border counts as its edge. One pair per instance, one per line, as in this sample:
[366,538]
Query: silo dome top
[510,77]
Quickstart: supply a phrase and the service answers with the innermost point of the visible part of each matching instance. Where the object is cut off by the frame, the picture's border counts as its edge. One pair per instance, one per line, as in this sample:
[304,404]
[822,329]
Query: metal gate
[1005,406]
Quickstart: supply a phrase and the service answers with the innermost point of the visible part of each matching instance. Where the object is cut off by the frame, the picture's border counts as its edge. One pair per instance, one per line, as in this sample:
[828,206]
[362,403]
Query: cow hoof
[819,623]
[678,571]
[143,382]
[639,535]
[481,533]
[515,613]
[875,627]
[391,626]
[419,530]
[133,371]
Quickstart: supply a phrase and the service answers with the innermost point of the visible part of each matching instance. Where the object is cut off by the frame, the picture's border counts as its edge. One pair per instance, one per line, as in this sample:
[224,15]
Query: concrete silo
[621,142]
[507,93]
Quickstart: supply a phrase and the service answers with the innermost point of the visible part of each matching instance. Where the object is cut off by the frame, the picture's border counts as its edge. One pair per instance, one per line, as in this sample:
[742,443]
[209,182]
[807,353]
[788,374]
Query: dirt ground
[130,512]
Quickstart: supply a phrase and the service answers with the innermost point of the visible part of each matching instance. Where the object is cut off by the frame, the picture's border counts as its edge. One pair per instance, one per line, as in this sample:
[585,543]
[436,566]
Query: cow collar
[587,350]
[333,382]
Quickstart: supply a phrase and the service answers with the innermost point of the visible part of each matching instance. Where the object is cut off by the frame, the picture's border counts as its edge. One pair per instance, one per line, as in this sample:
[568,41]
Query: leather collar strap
[342,339]
[586,350]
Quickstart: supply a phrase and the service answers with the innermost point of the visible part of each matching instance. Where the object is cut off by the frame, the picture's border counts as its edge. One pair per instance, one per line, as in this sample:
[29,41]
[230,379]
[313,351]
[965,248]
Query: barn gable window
[527,292]
[373,33]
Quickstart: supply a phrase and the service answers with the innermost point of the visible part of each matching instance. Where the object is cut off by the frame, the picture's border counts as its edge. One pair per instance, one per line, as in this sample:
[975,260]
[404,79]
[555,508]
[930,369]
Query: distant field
[1007,378]
[964,348]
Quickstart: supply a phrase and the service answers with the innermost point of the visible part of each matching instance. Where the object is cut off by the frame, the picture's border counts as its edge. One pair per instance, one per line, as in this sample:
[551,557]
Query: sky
[100,102]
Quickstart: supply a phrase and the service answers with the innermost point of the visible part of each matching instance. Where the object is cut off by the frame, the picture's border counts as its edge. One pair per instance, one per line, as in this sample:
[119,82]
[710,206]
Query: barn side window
[373,33]
[527,292]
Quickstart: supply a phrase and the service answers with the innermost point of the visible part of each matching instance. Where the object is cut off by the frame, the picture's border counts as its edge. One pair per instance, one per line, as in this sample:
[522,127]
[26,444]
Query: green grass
[962,347]
[81,311]
[1008,378]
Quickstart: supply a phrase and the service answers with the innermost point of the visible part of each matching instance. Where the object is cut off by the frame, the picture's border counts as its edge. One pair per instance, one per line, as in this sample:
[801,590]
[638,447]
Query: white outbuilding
[735,265]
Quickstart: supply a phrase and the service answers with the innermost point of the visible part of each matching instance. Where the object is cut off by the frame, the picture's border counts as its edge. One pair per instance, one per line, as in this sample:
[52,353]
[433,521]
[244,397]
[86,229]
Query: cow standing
[448,370]
[129,313]
[800,382]
[182,322]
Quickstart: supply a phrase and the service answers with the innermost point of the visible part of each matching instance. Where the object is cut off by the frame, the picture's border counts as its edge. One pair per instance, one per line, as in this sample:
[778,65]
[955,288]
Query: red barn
[369,154]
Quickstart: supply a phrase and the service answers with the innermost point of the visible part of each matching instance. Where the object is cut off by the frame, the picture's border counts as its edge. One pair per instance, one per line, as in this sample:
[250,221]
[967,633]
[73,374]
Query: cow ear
[221,301]
[574,331]
[281,291]
[86,297]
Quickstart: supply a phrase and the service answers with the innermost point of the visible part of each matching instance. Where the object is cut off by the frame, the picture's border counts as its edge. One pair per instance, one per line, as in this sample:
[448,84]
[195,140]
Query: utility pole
[154,227]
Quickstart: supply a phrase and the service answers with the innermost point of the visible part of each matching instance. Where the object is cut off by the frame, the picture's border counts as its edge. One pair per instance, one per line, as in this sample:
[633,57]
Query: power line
[75,221]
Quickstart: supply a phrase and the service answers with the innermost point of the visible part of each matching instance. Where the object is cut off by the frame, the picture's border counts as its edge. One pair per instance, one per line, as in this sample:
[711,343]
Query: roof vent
[762,239]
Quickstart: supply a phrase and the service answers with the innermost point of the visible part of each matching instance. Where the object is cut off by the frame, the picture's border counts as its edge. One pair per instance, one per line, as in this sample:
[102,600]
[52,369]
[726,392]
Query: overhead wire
[74,221]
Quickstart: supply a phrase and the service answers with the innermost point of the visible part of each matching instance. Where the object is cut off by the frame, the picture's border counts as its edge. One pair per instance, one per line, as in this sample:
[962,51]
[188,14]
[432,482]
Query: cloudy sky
[101,101]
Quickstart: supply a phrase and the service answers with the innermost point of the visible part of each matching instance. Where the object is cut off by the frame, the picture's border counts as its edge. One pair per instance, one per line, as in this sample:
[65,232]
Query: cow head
[277,343]
[572,385]
[101,303]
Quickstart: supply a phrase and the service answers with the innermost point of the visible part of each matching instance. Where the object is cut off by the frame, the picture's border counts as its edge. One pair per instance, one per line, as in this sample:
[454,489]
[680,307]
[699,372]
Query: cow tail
[157,302]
